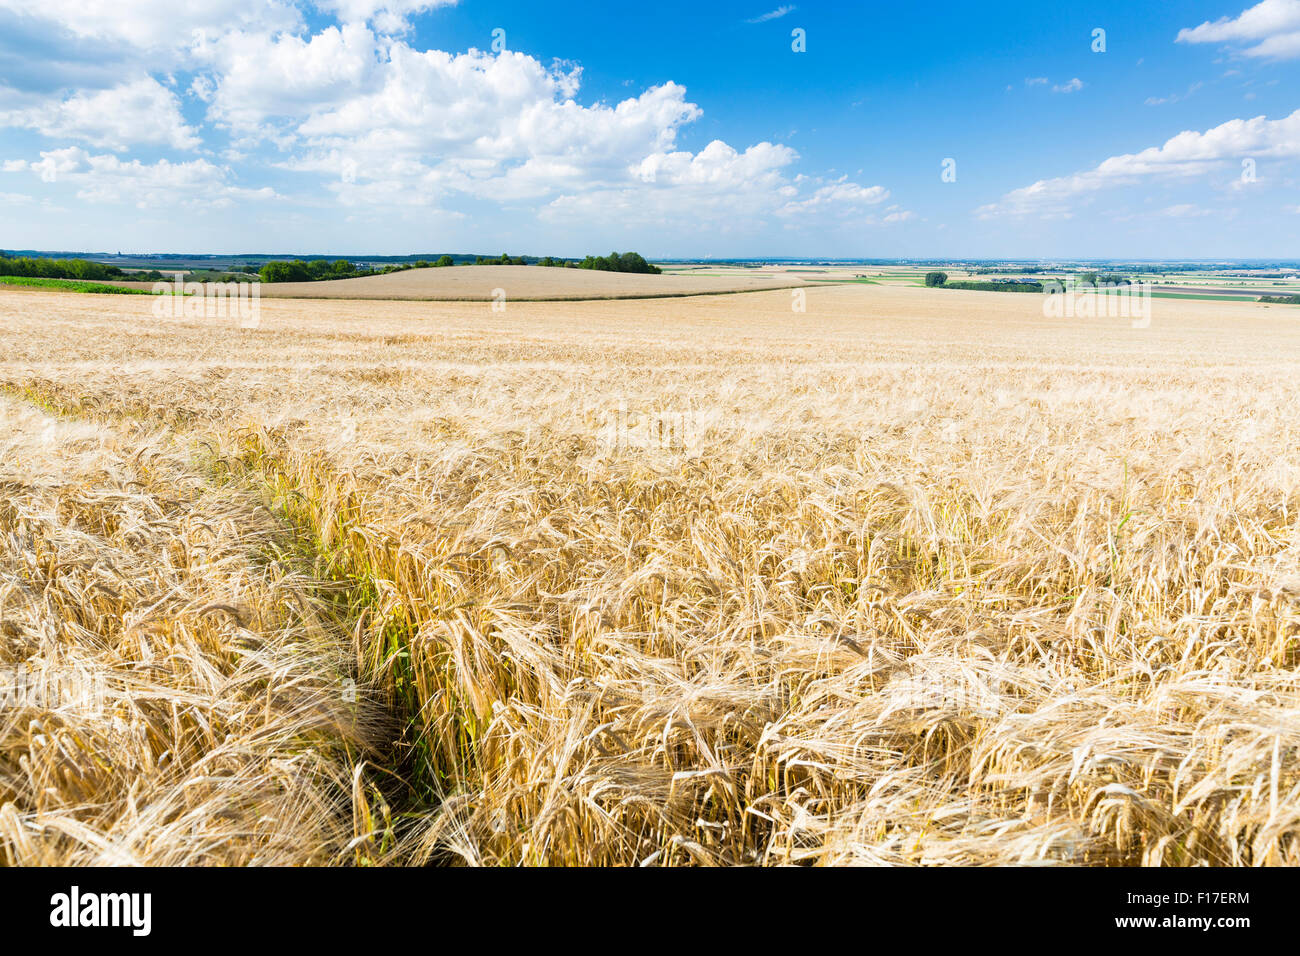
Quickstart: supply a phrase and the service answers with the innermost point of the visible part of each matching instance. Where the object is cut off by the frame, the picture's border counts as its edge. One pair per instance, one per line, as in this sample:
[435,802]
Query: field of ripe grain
[480,283]
[915,576]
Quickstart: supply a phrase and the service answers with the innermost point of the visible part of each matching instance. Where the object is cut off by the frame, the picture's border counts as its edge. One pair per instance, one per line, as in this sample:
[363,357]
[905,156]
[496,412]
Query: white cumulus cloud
[1189,154]
[1269,29]
[163,26]
[107,178]
[139,112]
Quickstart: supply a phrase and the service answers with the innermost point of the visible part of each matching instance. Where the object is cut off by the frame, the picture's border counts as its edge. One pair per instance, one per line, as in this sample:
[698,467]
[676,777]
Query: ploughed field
[915,576]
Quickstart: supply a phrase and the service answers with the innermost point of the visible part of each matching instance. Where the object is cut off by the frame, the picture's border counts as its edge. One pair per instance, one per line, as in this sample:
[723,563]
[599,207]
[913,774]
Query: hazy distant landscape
[413,278]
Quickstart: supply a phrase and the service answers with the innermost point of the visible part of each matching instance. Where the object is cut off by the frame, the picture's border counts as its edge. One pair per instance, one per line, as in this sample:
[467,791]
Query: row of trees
[996,286]
[936,280]
[1083,279]
[1094,279]
[614,262]
[30,268]
[317,270]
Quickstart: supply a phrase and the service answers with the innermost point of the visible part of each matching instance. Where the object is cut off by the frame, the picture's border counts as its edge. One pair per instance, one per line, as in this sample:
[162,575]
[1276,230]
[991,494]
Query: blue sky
[689,129]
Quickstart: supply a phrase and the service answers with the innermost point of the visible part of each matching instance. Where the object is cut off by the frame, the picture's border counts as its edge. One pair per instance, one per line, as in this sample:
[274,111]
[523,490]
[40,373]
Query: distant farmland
[918,576]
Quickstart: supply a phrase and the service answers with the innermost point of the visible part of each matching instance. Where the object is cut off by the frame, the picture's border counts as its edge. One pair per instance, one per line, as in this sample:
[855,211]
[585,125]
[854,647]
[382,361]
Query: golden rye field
[917,576]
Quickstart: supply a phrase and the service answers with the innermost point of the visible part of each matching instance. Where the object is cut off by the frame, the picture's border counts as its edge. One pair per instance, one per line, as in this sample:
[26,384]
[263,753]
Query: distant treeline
[57,268]
[1086,278]
[75,269]
[1109,278]
[508,260]
[936,280]
[614,262]
[996,286]
[314,270]
[1083,280]
[318,270]
[1280,299]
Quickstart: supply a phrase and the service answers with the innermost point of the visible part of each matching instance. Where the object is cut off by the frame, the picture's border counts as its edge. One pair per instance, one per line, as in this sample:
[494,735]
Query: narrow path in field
[179,691]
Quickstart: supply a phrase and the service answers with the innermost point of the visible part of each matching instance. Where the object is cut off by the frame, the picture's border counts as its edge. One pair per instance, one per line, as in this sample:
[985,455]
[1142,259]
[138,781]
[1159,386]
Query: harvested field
[477,284]
[916,577]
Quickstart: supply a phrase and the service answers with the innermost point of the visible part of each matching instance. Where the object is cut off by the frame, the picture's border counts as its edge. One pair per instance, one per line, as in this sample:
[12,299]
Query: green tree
[294,271]
[42,268]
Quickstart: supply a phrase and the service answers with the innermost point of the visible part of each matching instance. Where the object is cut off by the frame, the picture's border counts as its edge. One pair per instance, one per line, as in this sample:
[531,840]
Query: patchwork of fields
[915,576]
